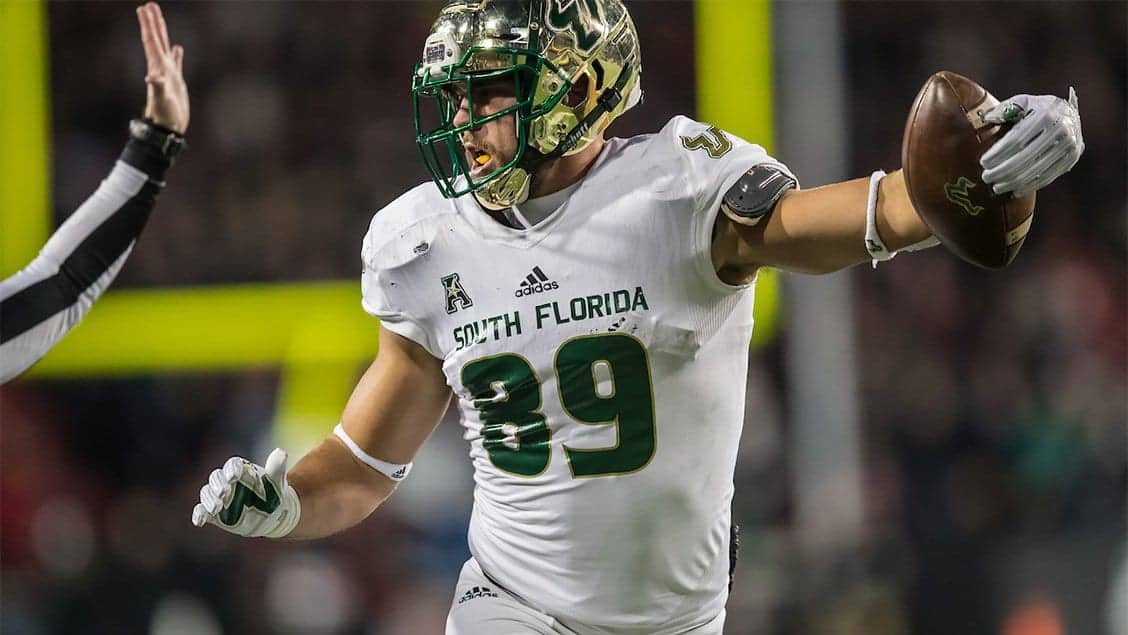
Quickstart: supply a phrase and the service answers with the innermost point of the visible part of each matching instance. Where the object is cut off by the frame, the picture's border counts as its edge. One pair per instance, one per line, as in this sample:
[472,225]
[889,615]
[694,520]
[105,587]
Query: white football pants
[481,607]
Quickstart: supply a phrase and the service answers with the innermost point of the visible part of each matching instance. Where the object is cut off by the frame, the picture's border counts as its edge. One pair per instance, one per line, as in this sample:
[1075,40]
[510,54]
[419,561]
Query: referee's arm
[50,296]
[47,298]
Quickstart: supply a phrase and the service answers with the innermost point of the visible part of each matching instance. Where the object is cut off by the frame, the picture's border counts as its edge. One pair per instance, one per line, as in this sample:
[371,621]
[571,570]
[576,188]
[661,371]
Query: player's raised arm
[43,301]
[832,227]
[393,409]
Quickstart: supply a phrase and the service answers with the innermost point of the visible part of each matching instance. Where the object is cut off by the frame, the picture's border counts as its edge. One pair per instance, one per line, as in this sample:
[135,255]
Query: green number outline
[572,454]
[508,394]
[500,457]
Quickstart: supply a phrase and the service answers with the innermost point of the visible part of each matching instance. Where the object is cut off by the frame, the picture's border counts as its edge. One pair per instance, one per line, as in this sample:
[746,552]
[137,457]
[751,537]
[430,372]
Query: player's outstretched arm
[395,406]
[819,230]
[44,300]
[836,226]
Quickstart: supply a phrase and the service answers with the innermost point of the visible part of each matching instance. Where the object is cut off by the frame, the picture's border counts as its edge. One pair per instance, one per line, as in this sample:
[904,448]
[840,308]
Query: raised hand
[167,103]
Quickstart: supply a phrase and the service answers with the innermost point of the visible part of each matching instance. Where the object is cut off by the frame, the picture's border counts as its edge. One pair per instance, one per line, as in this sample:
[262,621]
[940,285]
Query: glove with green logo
[248,499]
[1044,143]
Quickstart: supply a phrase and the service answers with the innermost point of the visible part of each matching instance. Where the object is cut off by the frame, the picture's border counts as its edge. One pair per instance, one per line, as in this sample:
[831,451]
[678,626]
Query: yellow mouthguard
[482,159]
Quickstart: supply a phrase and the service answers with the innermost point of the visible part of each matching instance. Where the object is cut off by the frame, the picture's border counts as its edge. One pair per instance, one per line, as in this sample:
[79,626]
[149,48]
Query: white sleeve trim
[411,330]
[703,247]
[393,471]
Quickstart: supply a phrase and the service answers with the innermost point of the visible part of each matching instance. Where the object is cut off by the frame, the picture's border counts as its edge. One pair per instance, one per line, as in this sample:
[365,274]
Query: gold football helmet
[544,47]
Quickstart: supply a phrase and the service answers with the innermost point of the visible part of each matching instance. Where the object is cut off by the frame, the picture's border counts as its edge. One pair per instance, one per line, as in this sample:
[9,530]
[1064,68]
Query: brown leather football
[945,136]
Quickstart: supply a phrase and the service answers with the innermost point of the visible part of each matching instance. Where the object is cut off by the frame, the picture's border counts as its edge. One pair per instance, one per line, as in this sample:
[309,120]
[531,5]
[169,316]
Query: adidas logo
[477,592]
[535,282]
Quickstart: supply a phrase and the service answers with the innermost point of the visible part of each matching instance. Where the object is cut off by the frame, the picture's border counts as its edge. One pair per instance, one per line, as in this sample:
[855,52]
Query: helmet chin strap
[533,160]
[608,101]
[517,179]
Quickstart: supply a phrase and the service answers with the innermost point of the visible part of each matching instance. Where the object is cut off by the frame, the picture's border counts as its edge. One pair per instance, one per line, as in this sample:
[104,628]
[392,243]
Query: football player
[586,303]
[44,300]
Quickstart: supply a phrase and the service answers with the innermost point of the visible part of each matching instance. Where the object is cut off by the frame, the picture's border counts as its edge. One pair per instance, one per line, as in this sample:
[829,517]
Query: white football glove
[1044,143]
[248,499]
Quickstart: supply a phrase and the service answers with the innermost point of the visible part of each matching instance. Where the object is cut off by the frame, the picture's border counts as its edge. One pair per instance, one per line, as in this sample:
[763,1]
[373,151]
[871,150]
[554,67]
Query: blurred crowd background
[994,402]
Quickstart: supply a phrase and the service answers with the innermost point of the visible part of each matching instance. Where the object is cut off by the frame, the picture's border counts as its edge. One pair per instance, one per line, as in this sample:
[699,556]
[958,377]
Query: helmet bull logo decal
[578,16]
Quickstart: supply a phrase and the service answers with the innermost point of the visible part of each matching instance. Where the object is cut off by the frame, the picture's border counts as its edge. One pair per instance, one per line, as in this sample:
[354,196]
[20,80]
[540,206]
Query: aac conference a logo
[456,296]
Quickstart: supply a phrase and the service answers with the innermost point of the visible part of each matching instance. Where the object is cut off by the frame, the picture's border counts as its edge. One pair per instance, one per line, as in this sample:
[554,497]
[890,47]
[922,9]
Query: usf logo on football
[958,193]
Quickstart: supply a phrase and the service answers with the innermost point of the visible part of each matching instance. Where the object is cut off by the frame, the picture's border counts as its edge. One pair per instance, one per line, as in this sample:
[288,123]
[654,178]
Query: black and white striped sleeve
[43,301]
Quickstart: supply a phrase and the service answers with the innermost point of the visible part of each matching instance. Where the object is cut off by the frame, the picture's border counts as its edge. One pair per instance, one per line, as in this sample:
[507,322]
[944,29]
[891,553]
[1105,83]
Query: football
[945,136]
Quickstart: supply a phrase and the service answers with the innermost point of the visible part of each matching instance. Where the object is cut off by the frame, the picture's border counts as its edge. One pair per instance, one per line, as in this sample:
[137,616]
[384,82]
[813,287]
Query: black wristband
[140,155]
[163,129]
[152,147]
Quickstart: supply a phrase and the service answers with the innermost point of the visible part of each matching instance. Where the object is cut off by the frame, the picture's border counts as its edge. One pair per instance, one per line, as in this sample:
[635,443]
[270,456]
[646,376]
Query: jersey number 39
[603,380]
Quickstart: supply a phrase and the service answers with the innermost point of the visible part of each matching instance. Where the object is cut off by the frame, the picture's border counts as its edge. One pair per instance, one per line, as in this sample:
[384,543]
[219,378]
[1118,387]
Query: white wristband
[874,245]
[393,471]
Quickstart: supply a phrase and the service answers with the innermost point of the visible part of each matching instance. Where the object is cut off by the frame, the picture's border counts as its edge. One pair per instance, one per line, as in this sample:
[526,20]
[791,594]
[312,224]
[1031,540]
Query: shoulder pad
[404,229]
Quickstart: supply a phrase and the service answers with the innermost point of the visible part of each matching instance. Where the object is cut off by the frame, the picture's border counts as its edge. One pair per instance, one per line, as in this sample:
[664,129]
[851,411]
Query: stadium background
[993,405]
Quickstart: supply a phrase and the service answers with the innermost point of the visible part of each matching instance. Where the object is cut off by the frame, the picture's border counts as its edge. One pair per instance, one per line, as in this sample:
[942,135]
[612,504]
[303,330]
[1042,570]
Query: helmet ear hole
[578,94]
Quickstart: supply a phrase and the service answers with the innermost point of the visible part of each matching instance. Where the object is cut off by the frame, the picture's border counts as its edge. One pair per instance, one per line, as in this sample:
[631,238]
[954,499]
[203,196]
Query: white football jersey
[599,368]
